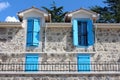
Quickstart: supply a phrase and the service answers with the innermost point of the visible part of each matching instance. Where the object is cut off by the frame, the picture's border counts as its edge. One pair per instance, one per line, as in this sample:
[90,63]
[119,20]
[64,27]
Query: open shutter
[36,31]
[75,32]
[83,62]
[30,25]
[90,33]
[31,62]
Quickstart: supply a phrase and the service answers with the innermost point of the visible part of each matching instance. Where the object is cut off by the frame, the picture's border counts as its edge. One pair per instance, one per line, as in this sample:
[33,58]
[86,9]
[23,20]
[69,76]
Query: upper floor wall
[58,37]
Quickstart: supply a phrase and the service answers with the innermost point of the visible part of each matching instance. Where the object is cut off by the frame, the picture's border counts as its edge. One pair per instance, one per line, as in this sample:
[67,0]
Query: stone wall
[107,45]
[41,46]
[60,40]
[12,40]
[60,77]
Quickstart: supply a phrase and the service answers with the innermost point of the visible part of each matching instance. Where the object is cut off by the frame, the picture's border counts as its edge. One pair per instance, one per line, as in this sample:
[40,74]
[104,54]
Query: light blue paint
[83,61]
[31,63]
[75,33]
[90,33]
[36,31]
[79,41]
[33,32]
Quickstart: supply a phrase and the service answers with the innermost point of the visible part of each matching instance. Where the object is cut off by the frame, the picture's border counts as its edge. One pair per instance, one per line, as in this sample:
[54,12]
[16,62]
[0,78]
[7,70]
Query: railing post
[69,66]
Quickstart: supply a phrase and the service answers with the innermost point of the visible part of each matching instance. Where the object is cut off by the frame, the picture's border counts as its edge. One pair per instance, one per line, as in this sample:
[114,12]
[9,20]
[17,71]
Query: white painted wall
[33,14]
[81,15]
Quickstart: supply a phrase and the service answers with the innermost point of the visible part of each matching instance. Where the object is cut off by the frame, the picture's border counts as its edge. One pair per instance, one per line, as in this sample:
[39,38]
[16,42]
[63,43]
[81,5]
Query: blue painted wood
[75,32]
[85,34]
[30,24]
[36,31]
[33,32]
[29,39]
[90,33]
[83,61]
[31,62]
[29,31]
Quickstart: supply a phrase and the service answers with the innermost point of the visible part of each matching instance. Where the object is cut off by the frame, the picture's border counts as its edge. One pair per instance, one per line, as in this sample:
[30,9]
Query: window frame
[83,20]
[32,31]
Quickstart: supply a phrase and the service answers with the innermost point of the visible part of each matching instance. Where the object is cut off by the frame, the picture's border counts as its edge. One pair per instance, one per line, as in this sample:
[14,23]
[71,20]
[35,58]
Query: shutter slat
[75,32]
[32,63]
[90,33]
[83,62]
[36,32]
[30,26]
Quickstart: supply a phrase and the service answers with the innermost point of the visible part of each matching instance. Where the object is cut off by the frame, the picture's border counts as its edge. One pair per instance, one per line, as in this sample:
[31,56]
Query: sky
[9,8]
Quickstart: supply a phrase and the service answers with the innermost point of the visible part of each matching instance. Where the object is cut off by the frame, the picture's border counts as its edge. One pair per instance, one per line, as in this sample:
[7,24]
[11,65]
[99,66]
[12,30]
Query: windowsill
[83,46]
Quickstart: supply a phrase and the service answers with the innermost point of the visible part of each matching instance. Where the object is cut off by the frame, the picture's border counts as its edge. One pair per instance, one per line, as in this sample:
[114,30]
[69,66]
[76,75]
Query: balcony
[61,68]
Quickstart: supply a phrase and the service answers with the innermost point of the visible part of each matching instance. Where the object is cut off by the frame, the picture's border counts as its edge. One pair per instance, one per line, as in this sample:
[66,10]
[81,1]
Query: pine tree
[109,13]
[57,14]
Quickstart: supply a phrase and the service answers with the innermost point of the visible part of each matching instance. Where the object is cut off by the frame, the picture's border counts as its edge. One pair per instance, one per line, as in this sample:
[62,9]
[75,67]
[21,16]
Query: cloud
[11,19]
[4,5]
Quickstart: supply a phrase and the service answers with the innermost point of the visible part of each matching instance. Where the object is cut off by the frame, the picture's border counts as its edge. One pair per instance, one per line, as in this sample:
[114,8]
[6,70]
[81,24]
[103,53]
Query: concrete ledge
[60,73]
[58,25]
[107,25]
[10,24]
[97,25]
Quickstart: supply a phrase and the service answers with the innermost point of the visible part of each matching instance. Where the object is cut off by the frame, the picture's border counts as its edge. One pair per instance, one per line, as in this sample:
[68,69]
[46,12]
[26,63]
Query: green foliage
[57,14]
[109,13]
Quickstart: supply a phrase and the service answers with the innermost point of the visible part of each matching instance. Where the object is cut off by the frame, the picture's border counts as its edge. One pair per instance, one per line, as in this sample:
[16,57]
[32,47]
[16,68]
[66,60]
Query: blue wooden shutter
[90,32]
[36,31]
[31,62]
[30,25]
[75,32]
[83,61]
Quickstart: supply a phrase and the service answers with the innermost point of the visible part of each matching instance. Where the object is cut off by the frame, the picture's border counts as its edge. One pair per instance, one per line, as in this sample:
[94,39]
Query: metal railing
[61,67]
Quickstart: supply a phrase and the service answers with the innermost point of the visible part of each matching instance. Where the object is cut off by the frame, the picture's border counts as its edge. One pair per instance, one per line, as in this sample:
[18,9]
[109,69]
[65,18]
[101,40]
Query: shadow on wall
[6,34]
[11,39]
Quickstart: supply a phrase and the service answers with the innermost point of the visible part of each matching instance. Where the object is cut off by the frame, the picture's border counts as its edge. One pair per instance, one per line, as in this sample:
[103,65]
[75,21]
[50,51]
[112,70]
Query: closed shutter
[90,33]
[30,25]
[83,61]
[31,62]
[75,33]
[33,30]
[36,31]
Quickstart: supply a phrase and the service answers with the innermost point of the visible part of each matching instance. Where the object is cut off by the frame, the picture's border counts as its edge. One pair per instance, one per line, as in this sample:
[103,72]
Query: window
[31,63]
[83,61]
[33,30]
[83,34]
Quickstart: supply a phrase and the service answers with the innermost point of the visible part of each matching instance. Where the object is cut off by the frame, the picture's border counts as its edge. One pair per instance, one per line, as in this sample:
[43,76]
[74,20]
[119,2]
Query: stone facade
[60,77]
[12,40]
[56,50]
[54,45]
[59,40]
[107,45]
